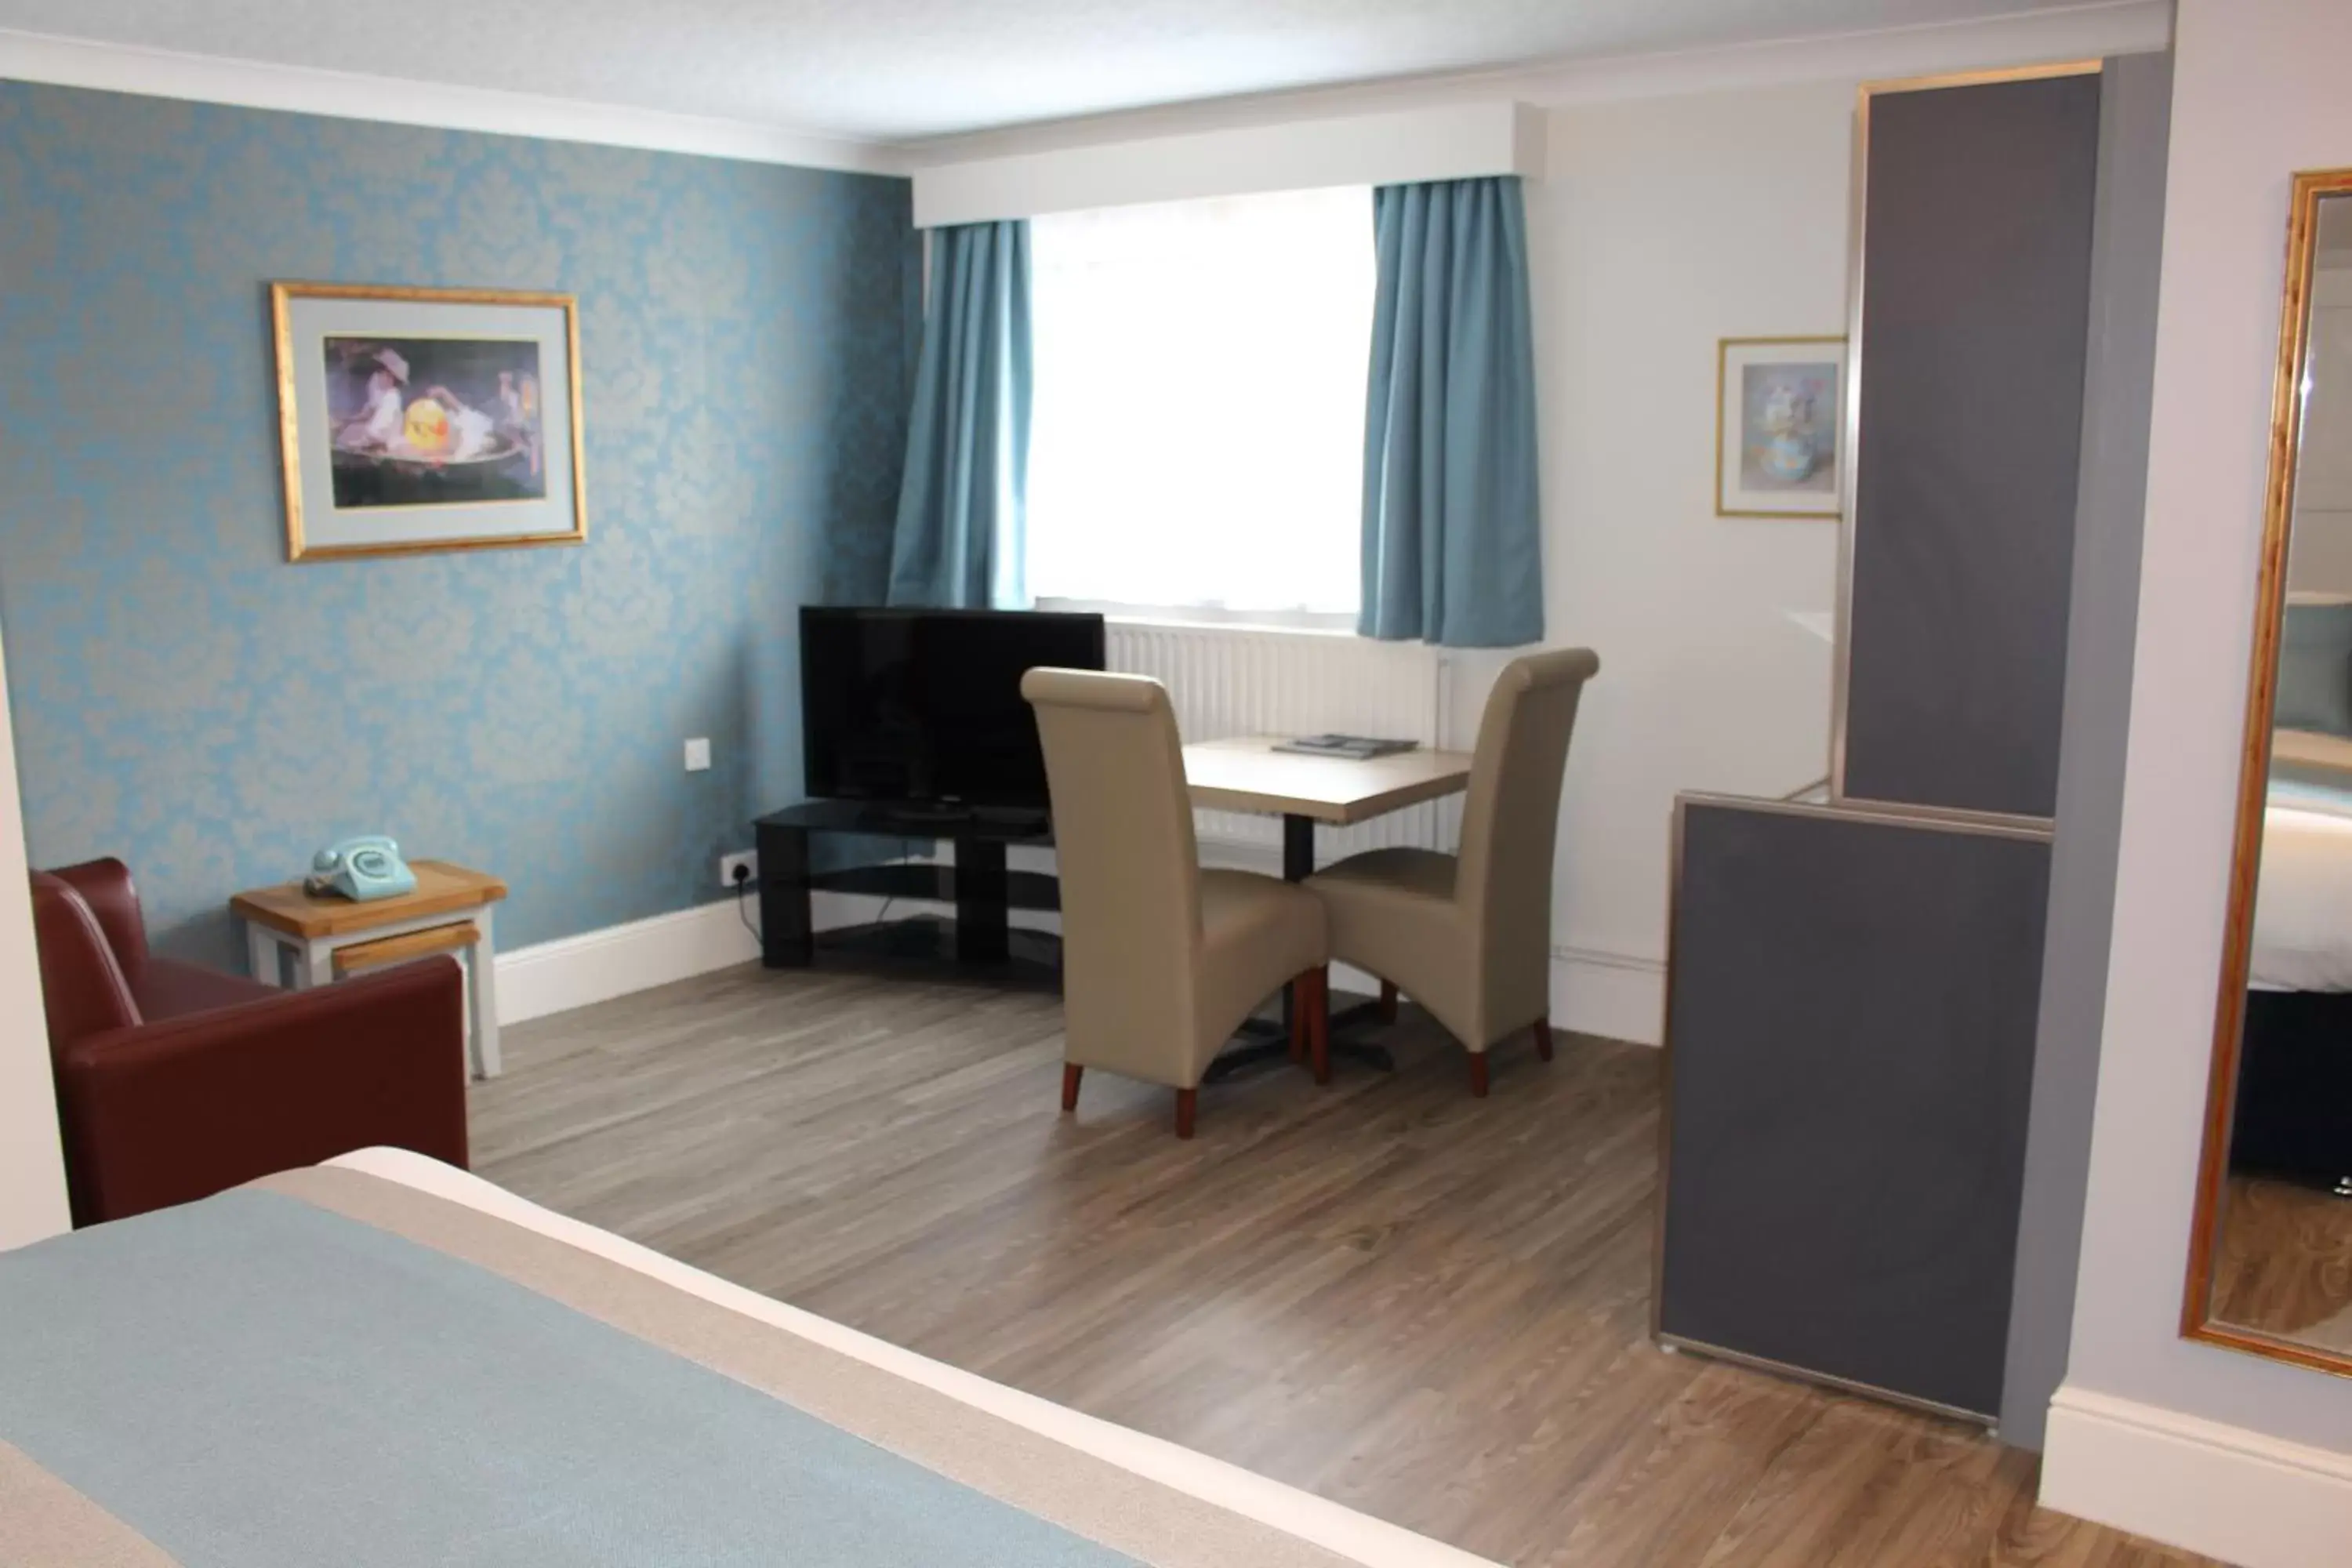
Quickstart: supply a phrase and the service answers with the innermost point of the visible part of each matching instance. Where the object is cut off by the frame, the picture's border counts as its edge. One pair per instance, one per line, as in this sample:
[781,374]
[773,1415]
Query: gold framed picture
[1779,427]
[413,419]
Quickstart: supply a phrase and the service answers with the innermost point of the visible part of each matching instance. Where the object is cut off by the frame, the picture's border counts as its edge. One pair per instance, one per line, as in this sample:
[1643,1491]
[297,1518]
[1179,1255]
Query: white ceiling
[899,69]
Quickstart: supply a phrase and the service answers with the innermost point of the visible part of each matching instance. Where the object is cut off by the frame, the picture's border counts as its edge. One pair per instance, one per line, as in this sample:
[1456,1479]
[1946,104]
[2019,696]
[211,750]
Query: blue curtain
[1452,530]
[962,502]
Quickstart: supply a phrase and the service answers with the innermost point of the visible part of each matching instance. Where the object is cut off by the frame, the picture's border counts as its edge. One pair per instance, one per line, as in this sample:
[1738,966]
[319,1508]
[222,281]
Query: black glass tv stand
[983,890]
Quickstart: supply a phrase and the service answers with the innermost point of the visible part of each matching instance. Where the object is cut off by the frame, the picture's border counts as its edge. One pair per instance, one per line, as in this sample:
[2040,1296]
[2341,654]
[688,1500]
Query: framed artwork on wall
[413,419]
[1779,432]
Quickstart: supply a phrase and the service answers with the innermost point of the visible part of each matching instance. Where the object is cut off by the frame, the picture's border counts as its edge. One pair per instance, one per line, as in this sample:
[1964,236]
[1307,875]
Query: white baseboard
[2195,1484]
[598,965]
[1617,995]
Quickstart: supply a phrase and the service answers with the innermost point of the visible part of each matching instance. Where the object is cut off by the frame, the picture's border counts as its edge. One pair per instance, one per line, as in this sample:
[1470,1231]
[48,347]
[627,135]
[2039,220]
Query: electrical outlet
[698,754]
[746,861]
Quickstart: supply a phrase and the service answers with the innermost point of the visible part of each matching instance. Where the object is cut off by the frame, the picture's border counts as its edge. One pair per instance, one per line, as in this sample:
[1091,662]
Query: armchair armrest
[167,1112]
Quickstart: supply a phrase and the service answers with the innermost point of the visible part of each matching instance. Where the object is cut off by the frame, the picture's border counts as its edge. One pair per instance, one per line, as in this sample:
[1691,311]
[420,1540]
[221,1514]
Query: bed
[384,1360]
[2294,1111]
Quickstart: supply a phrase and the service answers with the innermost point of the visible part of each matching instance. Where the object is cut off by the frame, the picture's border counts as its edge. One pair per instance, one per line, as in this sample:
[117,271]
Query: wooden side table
[298,939]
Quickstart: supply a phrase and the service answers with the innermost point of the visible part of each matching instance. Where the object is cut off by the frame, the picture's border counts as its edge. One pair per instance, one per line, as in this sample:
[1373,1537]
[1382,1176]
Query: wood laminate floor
[2285,1264]
[1424,1306]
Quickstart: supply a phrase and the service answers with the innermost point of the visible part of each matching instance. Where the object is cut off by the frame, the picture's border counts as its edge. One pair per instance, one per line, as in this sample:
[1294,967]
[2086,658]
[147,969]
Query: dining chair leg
[1318,1020]
[1297,1011]
[1387,1001]
[1479,1074]
[1543,1039]
[1071,1073]
[1188,1102]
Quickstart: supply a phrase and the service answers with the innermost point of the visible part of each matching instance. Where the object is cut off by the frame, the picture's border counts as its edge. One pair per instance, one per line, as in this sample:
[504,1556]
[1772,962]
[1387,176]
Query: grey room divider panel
[1850,1052]
[1974,317]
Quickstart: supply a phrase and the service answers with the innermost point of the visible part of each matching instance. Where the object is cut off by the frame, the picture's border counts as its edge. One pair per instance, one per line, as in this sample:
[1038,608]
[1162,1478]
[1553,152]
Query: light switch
[698,754]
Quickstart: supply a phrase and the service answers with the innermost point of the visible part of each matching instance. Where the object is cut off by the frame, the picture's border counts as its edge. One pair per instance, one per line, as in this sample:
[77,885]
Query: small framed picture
[414,419]
[1780,433]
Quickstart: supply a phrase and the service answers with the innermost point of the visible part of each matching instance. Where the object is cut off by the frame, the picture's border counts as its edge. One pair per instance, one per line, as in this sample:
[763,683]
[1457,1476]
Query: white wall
[1686,197]
[1664,225]
[1660,226]
[32,1169]
[2237,1455]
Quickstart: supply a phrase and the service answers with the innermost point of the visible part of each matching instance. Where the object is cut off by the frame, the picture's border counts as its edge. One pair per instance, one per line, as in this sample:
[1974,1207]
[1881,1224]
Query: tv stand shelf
[937,883]
[977,883]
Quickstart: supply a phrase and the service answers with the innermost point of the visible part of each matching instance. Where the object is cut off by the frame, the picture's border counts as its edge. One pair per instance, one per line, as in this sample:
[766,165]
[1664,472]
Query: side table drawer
[455,937]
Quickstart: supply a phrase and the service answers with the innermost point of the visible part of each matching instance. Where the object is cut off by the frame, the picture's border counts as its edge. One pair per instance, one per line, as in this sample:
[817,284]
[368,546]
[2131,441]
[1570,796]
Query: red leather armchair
[176,1081]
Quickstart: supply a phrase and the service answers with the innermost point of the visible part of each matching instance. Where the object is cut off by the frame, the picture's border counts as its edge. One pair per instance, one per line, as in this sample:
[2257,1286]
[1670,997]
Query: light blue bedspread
[252,1381]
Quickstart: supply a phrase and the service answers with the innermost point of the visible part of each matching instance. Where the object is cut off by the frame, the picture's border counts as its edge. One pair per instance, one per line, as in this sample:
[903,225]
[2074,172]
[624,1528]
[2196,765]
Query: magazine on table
[1355,748]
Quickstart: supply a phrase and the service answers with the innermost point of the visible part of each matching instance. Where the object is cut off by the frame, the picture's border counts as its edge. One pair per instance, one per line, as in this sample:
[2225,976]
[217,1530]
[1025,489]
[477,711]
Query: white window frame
[1334,622]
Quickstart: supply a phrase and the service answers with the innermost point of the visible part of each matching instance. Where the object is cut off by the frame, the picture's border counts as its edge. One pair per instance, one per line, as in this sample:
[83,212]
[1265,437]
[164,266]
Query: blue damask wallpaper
[186,699]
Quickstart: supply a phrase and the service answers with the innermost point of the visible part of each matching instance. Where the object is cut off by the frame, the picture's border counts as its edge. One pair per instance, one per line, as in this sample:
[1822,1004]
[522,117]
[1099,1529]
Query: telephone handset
[364,868]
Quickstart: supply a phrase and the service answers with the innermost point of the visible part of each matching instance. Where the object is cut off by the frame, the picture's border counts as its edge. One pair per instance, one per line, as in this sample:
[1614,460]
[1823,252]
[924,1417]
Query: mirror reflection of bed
[2284,1263]
[2283,1258]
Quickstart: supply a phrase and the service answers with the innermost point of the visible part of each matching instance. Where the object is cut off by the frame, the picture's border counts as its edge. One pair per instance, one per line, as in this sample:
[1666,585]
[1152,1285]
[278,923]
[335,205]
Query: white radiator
[1235,680]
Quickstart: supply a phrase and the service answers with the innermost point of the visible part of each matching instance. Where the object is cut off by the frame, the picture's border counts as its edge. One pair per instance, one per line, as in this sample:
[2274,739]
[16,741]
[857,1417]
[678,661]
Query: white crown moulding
[2115,27]
[2083,32]
[1442,128]
[344,95]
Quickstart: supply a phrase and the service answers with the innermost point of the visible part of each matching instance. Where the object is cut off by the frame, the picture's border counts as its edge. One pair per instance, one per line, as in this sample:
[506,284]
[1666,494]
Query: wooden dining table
[1247,774]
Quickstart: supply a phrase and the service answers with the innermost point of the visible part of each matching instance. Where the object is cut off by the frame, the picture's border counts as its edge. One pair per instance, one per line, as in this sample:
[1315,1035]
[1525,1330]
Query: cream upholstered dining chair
[1160,959]
[1469,936]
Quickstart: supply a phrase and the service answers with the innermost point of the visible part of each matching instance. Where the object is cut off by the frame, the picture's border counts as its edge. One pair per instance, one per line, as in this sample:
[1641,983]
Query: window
[1197,435]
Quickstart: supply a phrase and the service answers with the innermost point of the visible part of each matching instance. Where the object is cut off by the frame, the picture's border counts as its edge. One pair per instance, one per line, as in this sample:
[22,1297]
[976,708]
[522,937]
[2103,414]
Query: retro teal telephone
[367,868]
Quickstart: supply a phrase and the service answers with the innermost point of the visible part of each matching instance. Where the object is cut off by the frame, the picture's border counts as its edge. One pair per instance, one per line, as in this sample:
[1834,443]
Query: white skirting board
[598,965]
[2198,1485]
[1618,998]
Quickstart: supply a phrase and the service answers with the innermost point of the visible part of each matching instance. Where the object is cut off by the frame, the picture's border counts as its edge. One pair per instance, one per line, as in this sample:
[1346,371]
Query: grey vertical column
[1975,306]
[2134,121]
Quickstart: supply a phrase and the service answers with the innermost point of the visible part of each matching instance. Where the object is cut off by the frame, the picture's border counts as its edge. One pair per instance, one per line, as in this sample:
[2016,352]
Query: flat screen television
[924,707]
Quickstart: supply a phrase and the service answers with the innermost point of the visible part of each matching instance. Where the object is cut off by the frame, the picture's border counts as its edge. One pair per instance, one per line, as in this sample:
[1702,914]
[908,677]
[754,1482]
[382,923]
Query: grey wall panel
[2134,115]
[1974,319]
[1852,1006]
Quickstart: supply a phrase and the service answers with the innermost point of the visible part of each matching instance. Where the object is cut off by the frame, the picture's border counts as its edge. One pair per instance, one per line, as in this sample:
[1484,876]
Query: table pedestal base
[1267,1040]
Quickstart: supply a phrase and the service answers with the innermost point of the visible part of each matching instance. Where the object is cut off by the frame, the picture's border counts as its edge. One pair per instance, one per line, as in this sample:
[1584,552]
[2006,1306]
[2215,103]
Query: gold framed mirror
[2270,1267]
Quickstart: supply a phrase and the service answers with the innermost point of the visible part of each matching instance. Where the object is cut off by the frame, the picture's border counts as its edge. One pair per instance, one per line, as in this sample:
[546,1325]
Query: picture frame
[1779,427]
[415,419]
